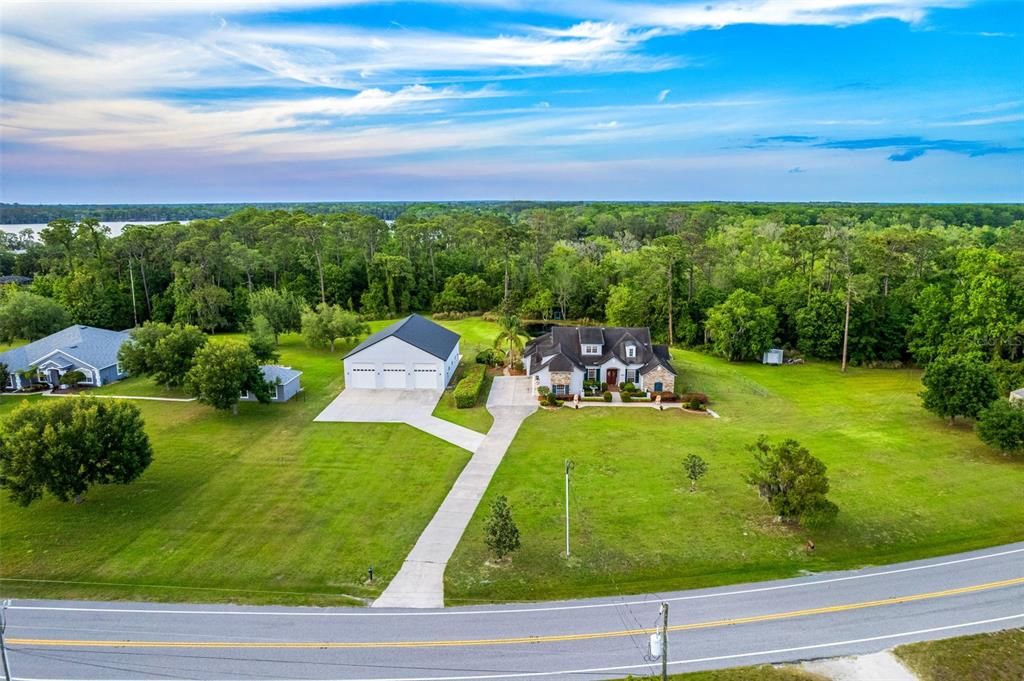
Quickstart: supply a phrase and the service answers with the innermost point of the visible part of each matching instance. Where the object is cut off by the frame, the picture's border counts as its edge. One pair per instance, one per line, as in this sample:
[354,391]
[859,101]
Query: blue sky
[256,100]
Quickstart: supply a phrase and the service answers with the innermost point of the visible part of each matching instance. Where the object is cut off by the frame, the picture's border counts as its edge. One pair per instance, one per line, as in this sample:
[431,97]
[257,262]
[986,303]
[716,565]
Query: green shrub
[489,357]
[604,387]
[691,397]
[468,390]
[626,396]
[606,396]
[627,387]
[695,405]
[543,391]
[551,400]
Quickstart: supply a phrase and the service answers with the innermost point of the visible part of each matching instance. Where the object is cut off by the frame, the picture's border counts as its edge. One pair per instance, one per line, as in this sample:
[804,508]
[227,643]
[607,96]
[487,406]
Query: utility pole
[569,465]
[131,276]
[3,643]
[664,642]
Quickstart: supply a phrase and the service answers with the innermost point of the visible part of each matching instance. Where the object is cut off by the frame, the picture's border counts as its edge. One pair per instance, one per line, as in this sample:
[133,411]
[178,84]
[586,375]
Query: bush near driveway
[467,392]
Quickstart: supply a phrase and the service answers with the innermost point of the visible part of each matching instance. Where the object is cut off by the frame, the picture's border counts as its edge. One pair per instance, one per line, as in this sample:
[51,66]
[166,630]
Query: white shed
[773,356]
[413,353]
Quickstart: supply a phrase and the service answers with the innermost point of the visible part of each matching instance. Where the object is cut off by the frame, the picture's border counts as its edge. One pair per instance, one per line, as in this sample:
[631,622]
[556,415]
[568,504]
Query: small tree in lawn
[1001,425]
[162,351]
[323,326]
[959,385]
[222,372]
[793,482]
[65,446]
[262,340]
[696,468]
[502,535]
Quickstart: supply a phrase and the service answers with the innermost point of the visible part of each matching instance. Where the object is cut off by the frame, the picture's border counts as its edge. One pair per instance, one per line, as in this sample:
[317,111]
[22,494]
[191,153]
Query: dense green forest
[920,281]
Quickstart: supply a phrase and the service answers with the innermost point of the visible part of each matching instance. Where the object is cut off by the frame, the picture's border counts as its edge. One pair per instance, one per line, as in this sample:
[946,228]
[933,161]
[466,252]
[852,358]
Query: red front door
[612,379]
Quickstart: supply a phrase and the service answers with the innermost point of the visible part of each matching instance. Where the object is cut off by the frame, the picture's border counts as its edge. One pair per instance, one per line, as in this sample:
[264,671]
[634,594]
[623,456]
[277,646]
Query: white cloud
[701,14]
[662,95]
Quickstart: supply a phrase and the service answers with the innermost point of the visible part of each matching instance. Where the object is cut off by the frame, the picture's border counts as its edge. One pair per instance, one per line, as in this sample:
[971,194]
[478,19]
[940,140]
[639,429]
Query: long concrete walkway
[420,581]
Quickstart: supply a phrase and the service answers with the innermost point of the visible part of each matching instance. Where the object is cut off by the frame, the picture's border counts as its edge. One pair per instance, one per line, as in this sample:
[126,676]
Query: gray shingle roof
[95,347]
[273,372]
[1018,393]
[417,331]
[563,343]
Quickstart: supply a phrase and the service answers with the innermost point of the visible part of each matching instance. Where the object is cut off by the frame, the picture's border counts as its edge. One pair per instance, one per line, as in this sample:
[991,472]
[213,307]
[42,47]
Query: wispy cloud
[907,148]
[663,94]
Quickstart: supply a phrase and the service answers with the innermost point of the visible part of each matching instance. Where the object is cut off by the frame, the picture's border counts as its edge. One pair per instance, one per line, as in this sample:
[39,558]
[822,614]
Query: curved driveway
[819,616]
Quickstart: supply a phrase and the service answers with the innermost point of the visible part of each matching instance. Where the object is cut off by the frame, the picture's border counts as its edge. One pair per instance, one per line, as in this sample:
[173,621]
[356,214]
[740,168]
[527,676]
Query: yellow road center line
[556,638]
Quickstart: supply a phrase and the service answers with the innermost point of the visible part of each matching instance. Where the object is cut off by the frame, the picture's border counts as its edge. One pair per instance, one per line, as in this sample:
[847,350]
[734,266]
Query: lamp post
[569,465]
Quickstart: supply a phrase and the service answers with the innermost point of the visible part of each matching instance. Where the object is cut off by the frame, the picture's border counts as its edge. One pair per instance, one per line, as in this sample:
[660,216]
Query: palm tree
[512,333]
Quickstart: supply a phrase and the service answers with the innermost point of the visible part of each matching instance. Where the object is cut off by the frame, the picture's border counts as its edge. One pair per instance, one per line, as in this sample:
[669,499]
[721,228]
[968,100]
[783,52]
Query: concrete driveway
[420,581]
[412,407]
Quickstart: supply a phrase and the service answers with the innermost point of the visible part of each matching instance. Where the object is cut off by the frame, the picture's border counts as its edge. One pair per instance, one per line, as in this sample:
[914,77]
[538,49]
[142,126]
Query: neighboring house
[413,353]
[284,379]
[569,355]
[85,348]
[15,279]
[1017,395]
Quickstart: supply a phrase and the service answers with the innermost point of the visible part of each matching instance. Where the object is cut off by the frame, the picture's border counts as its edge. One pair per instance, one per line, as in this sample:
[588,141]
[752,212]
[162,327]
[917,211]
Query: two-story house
[565,357]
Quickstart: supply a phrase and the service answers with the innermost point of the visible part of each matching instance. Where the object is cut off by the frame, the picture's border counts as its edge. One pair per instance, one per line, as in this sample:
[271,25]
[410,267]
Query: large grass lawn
[138,386]
[266,506]
[908,486]
[982,657]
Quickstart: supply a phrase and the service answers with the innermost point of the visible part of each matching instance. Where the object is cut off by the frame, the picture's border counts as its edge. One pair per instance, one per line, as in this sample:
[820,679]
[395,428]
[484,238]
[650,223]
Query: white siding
[393,352]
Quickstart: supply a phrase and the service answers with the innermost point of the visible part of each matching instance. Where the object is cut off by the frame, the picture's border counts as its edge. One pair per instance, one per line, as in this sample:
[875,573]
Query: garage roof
[417,331]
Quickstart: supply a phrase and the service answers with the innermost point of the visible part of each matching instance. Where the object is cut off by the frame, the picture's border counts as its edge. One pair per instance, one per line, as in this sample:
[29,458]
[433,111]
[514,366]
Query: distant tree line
[876,284]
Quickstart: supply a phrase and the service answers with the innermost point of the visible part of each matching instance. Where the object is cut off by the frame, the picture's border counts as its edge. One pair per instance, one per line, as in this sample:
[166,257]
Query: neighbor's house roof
[14,279]
[417,331]
[562,346]
[274,372]
[95,347]
[1018,393]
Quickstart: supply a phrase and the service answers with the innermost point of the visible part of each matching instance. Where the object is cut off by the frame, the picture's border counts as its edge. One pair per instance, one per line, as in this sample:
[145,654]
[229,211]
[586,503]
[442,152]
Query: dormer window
[631,351]
[591,349]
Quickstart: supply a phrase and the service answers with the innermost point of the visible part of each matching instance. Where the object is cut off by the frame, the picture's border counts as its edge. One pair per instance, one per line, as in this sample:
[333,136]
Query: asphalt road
[817,616]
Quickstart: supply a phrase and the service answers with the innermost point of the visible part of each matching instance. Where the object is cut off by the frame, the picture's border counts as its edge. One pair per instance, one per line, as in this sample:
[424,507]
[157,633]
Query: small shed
[773,356]
[283,380]
[1017,396]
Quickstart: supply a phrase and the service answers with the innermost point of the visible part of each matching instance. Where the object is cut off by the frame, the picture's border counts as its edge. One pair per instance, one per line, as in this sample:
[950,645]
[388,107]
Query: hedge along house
[284,380]
[414,353]
[568,356]
[86,349]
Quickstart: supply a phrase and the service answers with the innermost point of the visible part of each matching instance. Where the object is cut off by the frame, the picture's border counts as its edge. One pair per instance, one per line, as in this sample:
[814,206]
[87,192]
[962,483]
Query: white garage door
[426,376]
[363,376]
[394,376]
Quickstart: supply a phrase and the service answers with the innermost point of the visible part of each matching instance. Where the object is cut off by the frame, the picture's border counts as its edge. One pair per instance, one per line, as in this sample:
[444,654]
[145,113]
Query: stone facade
[662,375]
[560,378]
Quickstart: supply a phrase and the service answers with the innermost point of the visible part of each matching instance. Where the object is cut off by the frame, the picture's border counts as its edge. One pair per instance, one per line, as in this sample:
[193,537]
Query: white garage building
[414,353]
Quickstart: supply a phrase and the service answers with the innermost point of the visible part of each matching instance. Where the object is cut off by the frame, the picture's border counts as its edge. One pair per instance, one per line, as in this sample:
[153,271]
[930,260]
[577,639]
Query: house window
[631,375]
[561,389]
[591,349]
[630,351]
[593,374]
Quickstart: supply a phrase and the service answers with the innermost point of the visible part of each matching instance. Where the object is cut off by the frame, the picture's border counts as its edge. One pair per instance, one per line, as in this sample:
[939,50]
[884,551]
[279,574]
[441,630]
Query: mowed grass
[983,657]
[263,507]
[907,485]
[758,673]
[138,386]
